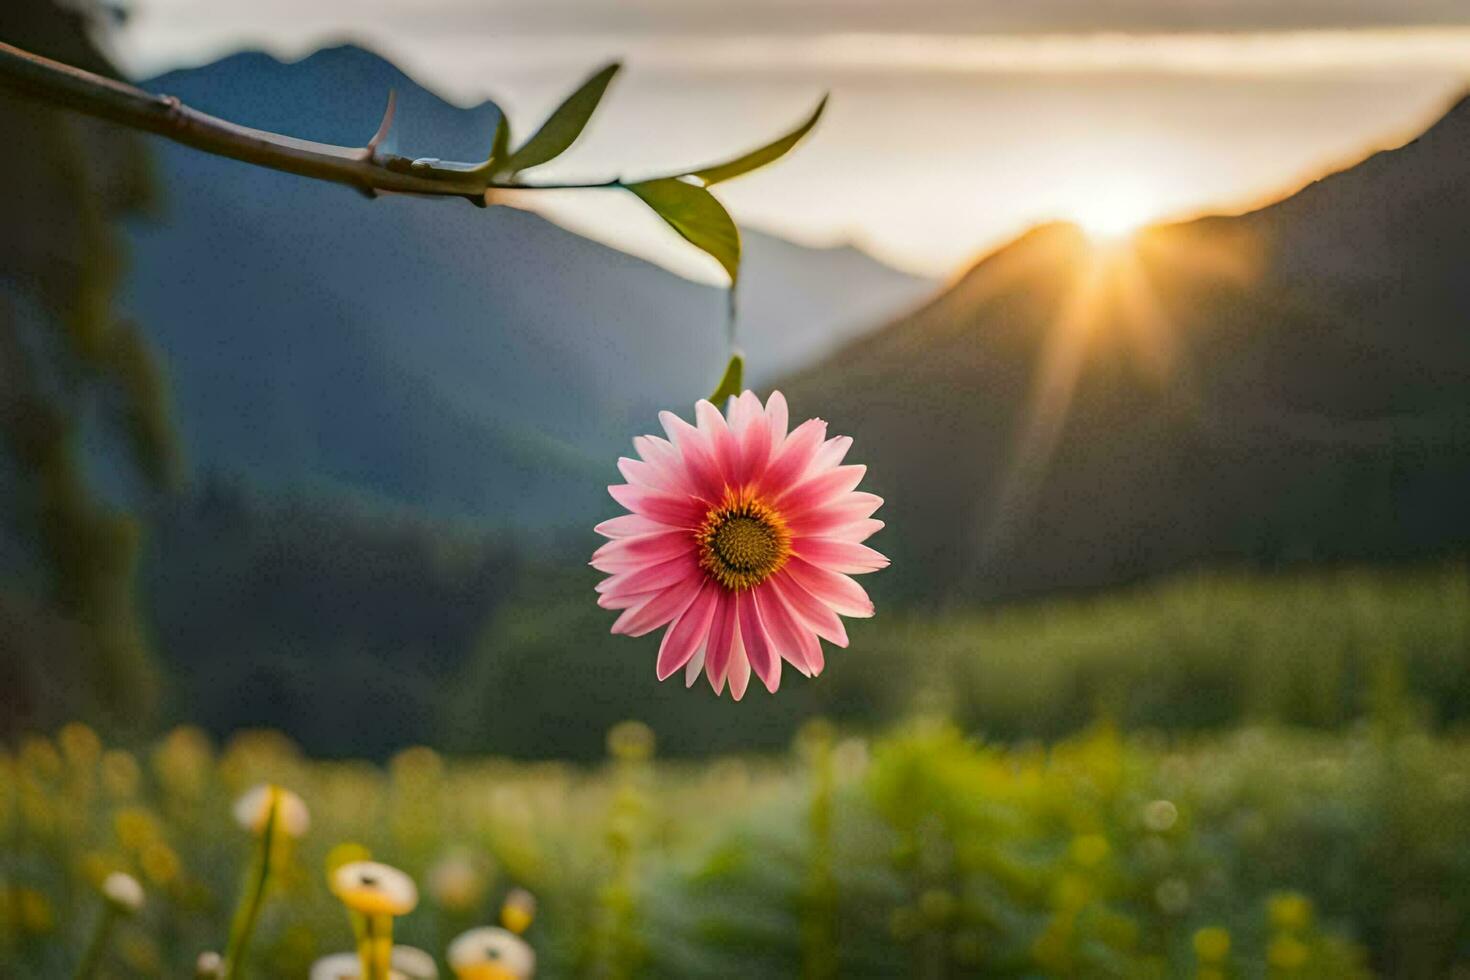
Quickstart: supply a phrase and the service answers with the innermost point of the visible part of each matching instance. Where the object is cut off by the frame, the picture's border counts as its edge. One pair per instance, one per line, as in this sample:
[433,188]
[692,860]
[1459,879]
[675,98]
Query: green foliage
[500,145]
[144,415]
[731,382]
[697,216]
[820,899]
[69,366]
[260,608]
[459,639]
[1194,653]
[681,200]
[562,127]
[924,853]
[615,947]
[755,159]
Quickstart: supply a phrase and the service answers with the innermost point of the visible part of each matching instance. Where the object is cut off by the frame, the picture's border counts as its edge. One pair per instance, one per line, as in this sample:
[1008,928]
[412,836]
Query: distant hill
[427,353]
[1288,384]
[799,304]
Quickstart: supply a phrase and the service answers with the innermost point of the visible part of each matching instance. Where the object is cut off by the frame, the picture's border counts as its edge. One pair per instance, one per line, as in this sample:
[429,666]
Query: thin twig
[61,85]
[384,126]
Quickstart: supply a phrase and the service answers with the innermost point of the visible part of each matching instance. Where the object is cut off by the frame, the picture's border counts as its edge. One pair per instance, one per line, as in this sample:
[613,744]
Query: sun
[1113,214]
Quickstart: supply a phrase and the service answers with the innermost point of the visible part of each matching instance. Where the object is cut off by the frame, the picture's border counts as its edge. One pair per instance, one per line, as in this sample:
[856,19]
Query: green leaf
[730,383]
[562,127]
[695,214]
[769,153]
[500,145]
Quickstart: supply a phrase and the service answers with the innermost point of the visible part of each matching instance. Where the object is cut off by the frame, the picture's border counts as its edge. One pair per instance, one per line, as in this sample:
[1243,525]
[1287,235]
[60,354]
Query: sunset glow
[998,123]
[1115,212]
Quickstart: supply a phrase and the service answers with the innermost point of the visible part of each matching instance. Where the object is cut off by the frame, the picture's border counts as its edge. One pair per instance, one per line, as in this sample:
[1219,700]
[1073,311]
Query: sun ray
[1112,288]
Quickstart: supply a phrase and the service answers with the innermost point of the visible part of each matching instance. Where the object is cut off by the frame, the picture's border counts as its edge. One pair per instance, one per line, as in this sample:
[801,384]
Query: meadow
[1217,775]
[1197,652]
[300,653]
[921,852]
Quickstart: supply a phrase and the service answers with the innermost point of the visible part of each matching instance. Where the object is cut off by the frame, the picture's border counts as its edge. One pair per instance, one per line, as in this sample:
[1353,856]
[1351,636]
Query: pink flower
[741,540]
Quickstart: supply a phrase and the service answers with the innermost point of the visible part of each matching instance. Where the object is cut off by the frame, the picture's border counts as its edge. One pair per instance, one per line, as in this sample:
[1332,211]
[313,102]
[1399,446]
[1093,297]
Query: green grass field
[1194,653]
[1198,652]
[1217,776]
[919,853]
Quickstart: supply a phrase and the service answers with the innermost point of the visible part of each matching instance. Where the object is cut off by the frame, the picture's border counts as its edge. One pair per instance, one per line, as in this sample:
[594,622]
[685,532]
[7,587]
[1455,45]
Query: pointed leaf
[500,145]
[695,214]
[562,127]
[769,153]
[731,384]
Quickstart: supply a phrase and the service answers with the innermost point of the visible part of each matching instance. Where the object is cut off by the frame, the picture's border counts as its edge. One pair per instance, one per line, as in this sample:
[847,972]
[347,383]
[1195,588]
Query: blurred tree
[70,370]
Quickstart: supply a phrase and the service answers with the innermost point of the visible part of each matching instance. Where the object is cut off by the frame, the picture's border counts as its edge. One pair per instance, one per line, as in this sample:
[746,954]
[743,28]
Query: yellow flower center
[743,542]
[370,900]
[486,971]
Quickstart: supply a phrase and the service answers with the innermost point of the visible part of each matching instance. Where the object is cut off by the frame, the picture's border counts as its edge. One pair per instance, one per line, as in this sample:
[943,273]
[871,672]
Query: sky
[954,124]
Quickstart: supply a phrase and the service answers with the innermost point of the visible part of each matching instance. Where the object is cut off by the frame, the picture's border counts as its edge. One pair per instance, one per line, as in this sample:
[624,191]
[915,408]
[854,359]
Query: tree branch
[364,168]
[682,200]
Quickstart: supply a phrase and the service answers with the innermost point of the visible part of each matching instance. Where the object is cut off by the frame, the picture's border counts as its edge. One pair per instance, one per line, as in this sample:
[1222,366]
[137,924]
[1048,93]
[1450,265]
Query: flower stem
[253,895]
[92,958]
[375,946]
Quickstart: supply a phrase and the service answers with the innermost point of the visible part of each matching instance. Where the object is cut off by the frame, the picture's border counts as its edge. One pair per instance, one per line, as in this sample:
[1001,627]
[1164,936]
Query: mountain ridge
[339,328]
[1288,384]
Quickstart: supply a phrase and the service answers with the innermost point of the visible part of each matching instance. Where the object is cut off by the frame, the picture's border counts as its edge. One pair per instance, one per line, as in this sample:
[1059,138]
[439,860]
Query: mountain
[800,304]
[1287,384]
[425,352]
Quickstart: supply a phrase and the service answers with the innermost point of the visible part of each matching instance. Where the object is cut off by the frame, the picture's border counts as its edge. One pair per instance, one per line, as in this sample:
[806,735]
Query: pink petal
[681,434]
[624,601]
[656,451]
[832,453]
[660,609]
[777,416]
[823,621]
[666,508]
[722,631]
[759,648]
[856,532]
[751,410]
[663,545]
[784,629]
[840,556]
[739,668]
[755,450]
[688,632]
[628,526]
[811,651]
[814,658]
[695,667]
[793,457]
[697,453]
[819,521]
[709,420]
[726,453]
[665,460]
[738,412]
[643,474]
[650,578]
[816,491]
[839,592]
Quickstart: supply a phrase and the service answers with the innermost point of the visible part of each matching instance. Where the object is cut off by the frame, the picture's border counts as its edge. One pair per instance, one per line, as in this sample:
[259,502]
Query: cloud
[1198,37]
[991,114]
[1274,53]
[803,17]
